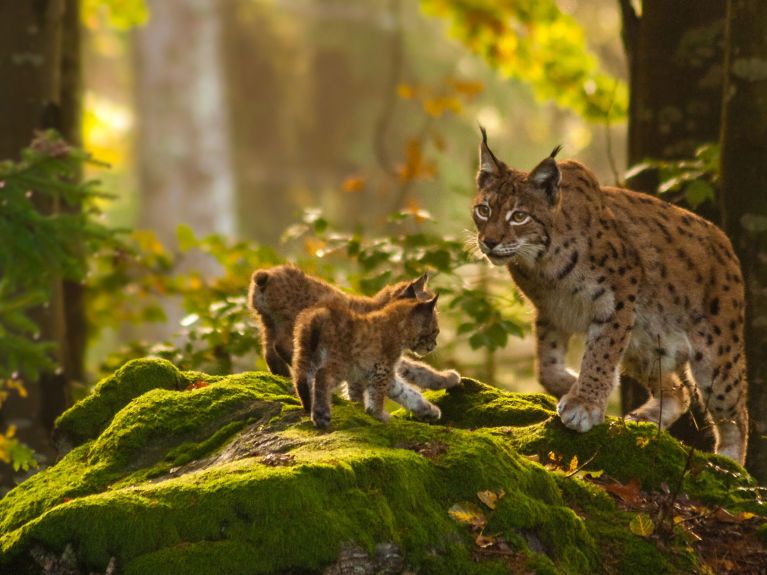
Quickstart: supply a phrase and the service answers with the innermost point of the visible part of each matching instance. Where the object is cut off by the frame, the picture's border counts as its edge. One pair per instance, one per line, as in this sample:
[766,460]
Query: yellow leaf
[405,92]
[573,464]
[489,498]
[468,513]
[314,246]
[642,525]
[642,441]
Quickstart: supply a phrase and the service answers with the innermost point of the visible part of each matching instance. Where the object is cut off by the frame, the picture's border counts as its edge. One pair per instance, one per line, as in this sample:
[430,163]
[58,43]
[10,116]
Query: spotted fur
[656,289]
[334,343]
[278,295]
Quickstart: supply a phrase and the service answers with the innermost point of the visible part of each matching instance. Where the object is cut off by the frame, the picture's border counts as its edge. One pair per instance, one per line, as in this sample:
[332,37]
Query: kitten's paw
[430,413]
[579,414]
[383,416]
[321,420]
[452,378]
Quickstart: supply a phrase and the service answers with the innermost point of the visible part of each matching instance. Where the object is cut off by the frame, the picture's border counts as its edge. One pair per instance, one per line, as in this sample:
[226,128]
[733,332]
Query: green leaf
[642,525]
[697,192]
[186,238]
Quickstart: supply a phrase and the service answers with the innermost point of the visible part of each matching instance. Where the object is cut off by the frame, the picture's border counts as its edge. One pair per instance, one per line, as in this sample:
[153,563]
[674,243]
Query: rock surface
[181,472]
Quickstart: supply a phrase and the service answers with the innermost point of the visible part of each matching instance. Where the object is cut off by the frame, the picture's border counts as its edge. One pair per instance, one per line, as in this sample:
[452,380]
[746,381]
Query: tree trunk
[675,59]
[183,137]
[39,64]
[743,198]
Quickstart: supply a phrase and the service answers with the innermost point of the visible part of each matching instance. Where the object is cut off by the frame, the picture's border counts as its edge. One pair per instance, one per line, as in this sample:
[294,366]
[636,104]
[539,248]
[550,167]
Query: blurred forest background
[201,139]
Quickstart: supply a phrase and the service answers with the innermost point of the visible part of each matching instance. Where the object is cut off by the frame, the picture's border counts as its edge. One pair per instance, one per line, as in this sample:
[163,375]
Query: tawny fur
[334,343]
[643,279]
[278,295]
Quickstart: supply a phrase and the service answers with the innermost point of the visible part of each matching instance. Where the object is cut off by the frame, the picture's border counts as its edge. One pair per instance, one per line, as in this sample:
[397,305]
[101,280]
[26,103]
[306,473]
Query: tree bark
[675,54]
[743,198]
[39,66]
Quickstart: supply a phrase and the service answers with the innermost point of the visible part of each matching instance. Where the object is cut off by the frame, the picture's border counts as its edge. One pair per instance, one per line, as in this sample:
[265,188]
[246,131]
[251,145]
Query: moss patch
[231,477]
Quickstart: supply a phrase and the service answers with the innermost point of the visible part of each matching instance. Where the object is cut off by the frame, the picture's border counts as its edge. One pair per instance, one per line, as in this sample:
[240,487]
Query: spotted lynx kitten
[334,343]
[279,294]
[643,279]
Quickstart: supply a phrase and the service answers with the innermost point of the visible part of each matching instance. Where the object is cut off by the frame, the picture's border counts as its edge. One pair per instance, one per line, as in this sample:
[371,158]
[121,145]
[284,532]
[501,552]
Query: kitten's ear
[409,293]
[547,176]
[428,305]
[420,284]
[488,163]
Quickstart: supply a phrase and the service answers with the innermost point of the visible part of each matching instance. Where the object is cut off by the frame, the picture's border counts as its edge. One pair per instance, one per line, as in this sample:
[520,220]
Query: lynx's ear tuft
[555,151]
[489,165]
[547,177]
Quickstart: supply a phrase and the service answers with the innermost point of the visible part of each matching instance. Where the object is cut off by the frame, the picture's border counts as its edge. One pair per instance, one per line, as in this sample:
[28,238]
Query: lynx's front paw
[321,419]
[452,378]
[382,416]
[428,412]
[578,413]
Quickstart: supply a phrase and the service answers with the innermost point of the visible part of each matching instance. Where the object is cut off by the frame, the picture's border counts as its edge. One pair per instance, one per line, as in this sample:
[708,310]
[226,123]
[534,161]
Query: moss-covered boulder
[178,472]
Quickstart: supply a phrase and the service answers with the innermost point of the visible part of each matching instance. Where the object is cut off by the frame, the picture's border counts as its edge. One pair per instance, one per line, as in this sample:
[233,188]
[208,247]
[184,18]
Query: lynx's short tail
[309,326]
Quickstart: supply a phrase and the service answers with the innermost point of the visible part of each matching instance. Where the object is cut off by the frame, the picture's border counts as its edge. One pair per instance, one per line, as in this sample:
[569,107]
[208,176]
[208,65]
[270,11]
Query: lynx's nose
[490,244]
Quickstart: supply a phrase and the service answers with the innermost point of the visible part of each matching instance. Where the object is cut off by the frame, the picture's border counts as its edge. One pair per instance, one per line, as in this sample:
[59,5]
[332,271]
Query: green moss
[233,478]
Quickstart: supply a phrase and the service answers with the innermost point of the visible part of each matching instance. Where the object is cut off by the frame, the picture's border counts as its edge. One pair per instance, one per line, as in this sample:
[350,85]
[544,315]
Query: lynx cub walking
[334,343]
[646,281]
[278,295]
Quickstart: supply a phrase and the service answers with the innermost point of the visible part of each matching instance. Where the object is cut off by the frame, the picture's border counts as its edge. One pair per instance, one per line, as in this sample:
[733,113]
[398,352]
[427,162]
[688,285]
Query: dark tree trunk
[743,198]
[675,54]
[39,68]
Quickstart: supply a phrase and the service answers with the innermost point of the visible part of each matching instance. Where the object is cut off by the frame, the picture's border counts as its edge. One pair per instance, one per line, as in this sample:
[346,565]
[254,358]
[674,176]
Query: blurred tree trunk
[183,146]
[675,55]
[183,138]
[39,64]
[743,198]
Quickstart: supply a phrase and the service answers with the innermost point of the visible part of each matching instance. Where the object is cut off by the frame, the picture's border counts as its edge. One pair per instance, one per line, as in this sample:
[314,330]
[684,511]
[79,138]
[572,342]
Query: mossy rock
[229,476]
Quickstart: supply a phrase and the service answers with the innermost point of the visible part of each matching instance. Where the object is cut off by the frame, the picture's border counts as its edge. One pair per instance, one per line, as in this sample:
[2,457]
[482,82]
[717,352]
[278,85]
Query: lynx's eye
[518,217]
[483,211]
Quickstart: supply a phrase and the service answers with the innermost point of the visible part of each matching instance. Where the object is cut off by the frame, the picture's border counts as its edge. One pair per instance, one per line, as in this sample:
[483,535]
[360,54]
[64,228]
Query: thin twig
[584,464]
[609,139]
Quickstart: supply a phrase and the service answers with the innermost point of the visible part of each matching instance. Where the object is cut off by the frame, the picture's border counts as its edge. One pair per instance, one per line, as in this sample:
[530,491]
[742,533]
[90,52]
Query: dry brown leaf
[490,498]
[628,493]
[469,514]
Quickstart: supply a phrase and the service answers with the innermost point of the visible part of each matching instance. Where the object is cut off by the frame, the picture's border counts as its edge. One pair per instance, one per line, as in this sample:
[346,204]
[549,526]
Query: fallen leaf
[198,384]
[726,517]
[469,514]
[573,465]
[628,493]
[642,525]
[642,441]
[483,541]
[490,498]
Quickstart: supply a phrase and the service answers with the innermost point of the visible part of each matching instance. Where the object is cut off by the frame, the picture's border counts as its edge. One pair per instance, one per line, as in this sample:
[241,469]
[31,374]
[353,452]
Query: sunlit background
[245,117]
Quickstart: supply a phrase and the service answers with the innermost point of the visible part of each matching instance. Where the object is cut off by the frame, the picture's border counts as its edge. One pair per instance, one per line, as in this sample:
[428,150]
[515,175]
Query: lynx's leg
[584,405]
[356,390]
[413,400]
[277,365]
[670,399]
[719,369]
[378,387]
[426,377]
[308,355]
[321,392]
[551,351]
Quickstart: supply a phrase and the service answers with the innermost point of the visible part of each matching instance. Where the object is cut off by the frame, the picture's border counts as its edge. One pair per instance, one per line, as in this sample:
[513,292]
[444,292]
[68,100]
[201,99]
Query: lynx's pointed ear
[420,284]
[409,293]
[488,163]
[428,305]
[547,176]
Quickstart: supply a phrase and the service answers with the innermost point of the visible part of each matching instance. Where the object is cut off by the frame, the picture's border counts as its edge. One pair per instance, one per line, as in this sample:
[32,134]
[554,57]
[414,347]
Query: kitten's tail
[306,340]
